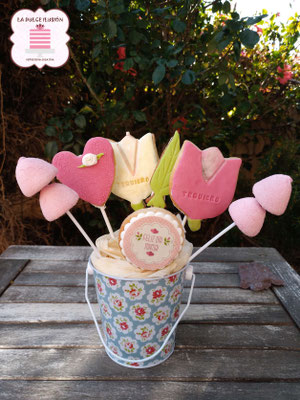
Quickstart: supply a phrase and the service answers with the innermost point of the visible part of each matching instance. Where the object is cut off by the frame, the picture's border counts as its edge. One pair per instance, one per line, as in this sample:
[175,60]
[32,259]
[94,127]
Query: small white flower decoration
[90,159]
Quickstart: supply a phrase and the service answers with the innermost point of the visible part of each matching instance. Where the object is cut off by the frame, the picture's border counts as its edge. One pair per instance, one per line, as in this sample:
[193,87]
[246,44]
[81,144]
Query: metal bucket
[139,316]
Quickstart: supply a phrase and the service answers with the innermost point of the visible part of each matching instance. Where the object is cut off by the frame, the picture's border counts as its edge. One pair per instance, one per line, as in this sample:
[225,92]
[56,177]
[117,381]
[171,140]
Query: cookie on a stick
[56,200]
[33,174]
[136,160]
[203,183]
[91,174]
[248,214]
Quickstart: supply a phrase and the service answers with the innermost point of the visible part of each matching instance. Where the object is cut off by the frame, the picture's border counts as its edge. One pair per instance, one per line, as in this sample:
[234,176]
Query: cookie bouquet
[139,270]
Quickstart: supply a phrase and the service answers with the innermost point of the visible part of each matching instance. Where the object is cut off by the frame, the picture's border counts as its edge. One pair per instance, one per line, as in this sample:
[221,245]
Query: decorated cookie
[248,215]
[56,199]
[203,183]
[33,174]
[273,193]
[161,177]
[151,238]
[136,160]
[91,175]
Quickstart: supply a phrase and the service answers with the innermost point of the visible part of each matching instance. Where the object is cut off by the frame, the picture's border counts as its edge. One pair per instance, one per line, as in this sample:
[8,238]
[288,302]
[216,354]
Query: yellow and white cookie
[136,160]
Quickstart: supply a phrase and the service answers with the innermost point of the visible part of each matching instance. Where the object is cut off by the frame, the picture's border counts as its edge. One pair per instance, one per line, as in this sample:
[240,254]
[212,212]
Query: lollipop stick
[110,230]
[184,220]
[211,241]
[85,235]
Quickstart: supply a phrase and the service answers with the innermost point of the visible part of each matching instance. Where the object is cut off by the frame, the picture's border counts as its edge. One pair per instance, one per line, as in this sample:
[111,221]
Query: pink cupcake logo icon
[40,38]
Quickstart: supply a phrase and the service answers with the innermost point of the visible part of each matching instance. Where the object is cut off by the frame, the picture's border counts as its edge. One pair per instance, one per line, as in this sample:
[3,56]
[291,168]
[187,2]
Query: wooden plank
[211,254]
[187,335]
[238,254]
[49,294]
[218,313]
[62,279]
[57,266]
[166,390]
[193,364]
[66,266]
[9,269]
[289,294]
[76,253]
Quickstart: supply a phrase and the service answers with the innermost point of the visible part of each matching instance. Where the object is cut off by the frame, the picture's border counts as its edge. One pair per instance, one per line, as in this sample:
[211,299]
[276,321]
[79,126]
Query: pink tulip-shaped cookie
[33,174]
[56,199]
[248,215]
[91,175]
[273,193]
[203,183]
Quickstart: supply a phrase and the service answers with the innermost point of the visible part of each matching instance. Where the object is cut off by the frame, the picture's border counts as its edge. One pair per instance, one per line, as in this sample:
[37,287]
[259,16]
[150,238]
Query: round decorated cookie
[151,238]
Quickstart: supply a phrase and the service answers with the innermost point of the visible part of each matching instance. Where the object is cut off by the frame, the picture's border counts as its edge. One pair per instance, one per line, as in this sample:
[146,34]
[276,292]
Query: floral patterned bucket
[139,316]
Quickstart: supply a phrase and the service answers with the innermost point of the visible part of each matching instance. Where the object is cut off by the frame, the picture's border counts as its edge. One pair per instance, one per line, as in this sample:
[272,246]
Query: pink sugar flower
[285,74]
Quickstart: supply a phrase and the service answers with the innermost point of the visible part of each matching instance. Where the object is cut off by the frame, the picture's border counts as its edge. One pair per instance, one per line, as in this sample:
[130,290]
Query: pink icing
[136,248]
[93,184]
[248,215]
[56,199]
[199,198]
[33,174]
[273,193]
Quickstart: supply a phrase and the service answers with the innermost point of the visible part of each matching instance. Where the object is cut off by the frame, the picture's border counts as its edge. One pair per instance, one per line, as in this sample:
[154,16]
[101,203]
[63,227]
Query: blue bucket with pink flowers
[139,316]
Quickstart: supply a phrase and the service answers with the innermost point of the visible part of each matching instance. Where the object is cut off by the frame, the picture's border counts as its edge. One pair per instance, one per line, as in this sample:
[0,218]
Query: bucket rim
[90,264]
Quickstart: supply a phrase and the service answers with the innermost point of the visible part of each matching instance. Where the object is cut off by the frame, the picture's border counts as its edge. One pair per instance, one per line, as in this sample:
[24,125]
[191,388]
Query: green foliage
[148,66]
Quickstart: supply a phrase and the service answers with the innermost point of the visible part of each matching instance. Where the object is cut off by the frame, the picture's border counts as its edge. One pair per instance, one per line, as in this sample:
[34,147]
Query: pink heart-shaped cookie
[248,215]
[33,174]
[56,199]
[92,183]
[197,197]
[273,193]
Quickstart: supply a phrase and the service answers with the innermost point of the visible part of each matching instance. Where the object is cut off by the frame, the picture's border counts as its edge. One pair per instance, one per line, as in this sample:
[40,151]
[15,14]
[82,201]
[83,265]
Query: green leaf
[82,5]
[255,20]
[128,63]
[50,131]
[189,60]
[178,26]
[51,149]
[237,50]
[161,178]
[80,121]
[135,37]
[66,136]
[226,7]
[188,77]
[249,38]
[110,28]
[139,116]
[223,77]
[224,43]
[172,63]
[96,50]
[158,74]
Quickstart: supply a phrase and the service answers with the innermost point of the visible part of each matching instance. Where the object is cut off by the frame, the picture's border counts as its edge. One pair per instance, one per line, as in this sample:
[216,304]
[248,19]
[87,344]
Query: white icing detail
[150,214]
[160,214]
[89,159]
[189,273]
[175,223]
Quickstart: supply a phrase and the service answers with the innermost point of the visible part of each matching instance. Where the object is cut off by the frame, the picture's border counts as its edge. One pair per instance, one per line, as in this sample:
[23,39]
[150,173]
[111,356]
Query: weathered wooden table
[233,343]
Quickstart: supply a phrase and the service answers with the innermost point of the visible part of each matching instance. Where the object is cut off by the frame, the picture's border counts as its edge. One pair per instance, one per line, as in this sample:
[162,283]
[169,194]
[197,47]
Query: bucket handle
[166,339]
